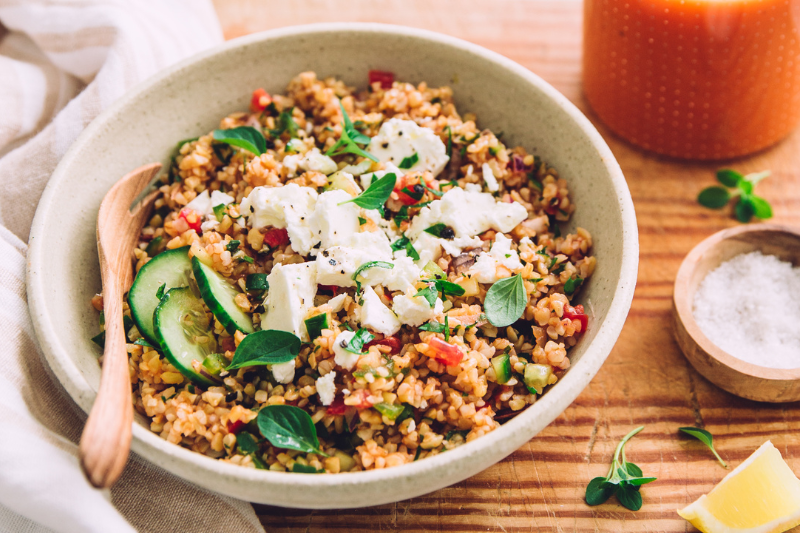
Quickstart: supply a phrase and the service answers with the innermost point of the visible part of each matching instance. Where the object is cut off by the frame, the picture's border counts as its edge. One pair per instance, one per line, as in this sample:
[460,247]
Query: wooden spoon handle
[106,439]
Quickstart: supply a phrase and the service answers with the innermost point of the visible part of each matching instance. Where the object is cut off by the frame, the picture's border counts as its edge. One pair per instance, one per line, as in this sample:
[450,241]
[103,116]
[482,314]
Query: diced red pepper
[276,237]
[332,288]
[337,407]
[192,219]
[228,344]
[260,100]
[385,78]
[552,209]
[409,182]
[577,314]
[392,342]
[444,352]
[235,426]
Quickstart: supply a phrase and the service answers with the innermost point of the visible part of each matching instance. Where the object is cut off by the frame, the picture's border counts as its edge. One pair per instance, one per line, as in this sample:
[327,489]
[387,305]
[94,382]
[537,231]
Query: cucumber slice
[185,333]
[344,181]
[218,294]
[433,270]
[172,268]
[502,368]
[536,377]
[316,324]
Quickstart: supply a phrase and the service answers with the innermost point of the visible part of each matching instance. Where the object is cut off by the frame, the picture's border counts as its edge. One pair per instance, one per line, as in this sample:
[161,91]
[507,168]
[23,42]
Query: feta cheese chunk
[291,296]
[337,303]
[326,388]
[289,207]
[312,160]
[376,316]
[485,268]
[336,266]
[468,213]
[488,177]
[284,372]
[415,310]
[333,224]
[341,356]
[399,139]
[203,204]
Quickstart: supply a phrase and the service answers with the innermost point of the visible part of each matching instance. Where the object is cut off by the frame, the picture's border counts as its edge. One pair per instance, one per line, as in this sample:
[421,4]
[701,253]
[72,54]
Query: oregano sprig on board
[739,187]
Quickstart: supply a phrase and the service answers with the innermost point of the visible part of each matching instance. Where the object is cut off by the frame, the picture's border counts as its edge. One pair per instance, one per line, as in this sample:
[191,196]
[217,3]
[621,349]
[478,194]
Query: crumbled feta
[316,161]
[289,207]
[485,268]
[473,187]
[291,163]
[203,204]
[284,372]
[387,226]
[376,316]
[374,243]
[488,177]
[333,224]
[389,168]
[468,214]
[399,139]
[209,225]
[429,248]
[291,296]
[326,388]
[341,356]
[220,198]
[337,303]
[414,310]
[359,169]
[336,266]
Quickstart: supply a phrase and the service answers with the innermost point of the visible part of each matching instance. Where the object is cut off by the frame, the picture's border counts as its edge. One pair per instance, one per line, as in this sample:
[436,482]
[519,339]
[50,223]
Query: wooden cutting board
[646,380]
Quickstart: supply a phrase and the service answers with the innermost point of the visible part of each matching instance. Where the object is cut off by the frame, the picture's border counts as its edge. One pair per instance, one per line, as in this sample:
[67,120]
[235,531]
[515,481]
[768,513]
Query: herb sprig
[350,139]
[244,137]
[367,266]
[747,204]
[706,438]
[623,479]
[376,194]
[505,301]
[287,426]
[266,347]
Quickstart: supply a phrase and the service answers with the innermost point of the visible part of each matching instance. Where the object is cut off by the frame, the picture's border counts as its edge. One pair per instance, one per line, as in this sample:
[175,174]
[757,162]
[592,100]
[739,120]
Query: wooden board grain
[646,380]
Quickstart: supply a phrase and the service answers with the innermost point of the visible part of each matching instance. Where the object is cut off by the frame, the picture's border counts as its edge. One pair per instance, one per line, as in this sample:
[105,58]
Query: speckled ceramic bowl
[188,99]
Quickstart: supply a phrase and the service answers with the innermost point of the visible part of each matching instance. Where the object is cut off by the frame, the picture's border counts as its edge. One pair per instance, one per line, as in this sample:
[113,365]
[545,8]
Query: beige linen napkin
[62,63]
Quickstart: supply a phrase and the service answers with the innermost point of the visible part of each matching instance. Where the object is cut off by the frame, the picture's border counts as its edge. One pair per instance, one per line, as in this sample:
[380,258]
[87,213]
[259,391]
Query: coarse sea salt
[750,307]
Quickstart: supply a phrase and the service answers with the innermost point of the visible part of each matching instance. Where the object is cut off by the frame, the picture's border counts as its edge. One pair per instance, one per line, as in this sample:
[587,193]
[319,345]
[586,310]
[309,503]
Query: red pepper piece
[337,407]
[392,342]
[228,344]
[577,314]
[385,78]
[192,219]
[235,427]
[444,352]
[332,288]
[276,237]
[260,100]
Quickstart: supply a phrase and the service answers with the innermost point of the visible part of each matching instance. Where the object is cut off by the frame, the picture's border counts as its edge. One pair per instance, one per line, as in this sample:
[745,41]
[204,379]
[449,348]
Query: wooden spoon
[106,439]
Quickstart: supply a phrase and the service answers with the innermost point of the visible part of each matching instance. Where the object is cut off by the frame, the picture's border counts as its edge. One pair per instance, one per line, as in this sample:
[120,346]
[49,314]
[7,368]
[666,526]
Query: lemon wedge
[762,495]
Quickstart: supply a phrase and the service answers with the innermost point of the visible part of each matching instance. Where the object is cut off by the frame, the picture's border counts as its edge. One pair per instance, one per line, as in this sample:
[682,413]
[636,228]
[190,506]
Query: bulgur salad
[337,281]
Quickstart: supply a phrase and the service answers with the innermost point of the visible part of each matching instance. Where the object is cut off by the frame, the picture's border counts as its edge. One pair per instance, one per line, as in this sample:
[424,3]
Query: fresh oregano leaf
[745,209]
[761,207]
[433,326]
[629,497]
[572,284]
[245,137]
[446,287]
[706,438]
[598,491]
[356,344]
[246,443]
[350,139]
[376,194]
[430,294]
[285,124]
[367,266]
[266,347]
[714,197]
[436,229]
[505,301]
[298,468]
[409,161]
[287,426]
[729,178]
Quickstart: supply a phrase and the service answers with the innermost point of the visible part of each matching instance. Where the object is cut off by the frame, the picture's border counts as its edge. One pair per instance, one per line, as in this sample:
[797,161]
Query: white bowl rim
[575,379]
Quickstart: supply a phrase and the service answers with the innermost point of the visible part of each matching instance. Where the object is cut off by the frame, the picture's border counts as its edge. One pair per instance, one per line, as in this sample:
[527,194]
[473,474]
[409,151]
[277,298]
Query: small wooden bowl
[734,375]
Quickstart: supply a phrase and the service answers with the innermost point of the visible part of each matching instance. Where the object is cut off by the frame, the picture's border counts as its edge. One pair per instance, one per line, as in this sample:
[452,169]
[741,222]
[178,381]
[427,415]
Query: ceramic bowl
[189,99]
[754,382]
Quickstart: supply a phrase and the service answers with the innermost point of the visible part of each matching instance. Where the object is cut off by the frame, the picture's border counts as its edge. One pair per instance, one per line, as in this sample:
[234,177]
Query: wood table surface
[646,380]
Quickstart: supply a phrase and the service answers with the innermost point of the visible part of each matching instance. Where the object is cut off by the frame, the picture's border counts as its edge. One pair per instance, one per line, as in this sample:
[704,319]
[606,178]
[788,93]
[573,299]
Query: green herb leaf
[706,438]
[100,339]
[266,347]
[433,326]
[376,194]
[401,215]
[298,468]
[160,291]
[362,221]
[745,209]
[316,324]
[729,178]
[356,344]
[446,287]
[285,124]
[505,301]
[246,259]
[409,161]
[368,265]
[629,497]
[142,342]
[761,207]
[449,142]
[154,246]
[286,426]
[746,187]
[598,491]
[233,246]
[572,284]
[256,282]
[245,137]
[446,328]
[436,229]
[714,197]
[246,442]
[219,212]
[403,243]
[408,412]
[350,139]
[633,470]
[430,294]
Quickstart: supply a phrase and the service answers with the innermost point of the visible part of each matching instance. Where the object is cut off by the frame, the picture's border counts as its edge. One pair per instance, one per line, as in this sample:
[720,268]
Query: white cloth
[61,63]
